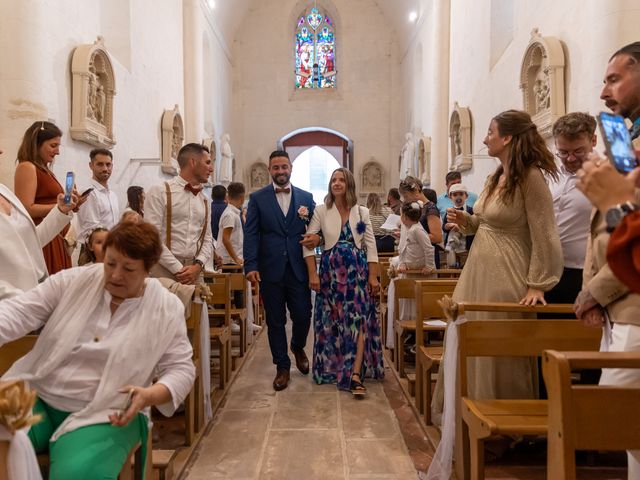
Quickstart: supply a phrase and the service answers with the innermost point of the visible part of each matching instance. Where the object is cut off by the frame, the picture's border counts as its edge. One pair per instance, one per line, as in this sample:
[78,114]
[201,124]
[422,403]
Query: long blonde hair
[527,150]
[374,204]
[350,183]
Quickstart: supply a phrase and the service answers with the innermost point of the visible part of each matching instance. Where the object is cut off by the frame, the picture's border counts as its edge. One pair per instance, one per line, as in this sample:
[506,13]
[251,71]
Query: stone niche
[542,81]
[92,92]
[460,139]
[258,176]
[424,160]
[371,179]
[172,139]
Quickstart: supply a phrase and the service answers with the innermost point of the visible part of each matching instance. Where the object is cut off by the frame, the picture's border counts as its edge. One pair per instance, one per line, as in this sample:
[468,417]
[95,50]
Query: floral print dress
[343,310]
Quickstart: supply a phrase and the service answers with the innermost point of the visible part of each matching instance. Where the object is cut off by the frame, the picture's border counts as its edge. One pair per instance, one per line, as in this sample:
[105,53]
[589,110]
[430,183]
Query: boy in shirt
[456,243]
[230,235]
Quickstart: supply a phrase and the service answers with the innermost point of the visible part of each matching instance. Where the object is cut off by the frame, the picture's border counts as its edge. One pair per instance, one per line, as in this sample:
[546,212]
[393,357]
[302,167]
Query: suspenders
[170,218]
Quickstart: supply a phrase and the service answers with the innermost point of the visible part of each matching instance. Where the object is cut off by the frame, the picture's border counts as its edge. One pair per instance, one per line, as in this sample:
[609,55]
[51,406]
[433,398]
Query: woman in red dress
[37,187]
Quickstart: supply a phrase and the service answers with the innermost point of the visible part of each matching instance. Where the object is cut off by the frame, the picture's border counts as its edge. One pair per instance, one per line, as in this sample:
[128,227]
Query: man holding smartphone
[604,297]
[101,208]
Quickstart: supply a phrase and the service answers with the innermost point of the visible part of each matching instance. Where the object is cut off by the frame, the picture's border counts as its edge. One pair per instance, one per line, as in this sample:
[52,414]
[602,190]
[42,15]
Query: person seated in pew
[415,250]
[23,264]
[107,331]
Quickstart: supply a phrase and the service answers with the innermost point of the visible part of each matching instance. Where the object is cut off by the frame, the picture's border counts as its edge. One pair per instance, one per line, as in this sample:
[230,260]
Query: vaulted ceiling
[229,14]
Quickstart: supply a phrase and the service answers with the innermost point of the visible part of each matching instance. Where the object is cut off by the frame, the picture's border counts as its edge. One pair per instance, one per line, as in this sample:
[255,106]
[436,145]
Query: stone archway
[336,143]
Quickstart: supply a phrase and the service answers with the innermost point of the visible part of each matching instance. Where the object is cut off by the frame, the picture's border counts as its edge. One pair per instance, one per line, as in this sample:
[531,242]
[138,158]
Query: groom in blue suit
[277,218]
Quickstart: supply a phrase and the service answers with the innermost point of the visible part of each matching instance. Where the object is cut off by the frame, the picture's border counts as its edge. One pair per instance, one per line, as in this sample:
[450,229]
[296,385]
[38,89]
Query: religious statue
[226,163]
[407,155]
[541,91]
[259,176]
[372,177]
[92,97]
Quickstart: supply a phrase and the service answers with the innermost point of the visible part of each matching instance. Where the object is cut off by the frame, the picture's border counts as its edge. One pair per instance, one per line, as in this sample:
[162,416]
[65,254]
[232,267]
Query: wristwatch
[614,215]
[199,262]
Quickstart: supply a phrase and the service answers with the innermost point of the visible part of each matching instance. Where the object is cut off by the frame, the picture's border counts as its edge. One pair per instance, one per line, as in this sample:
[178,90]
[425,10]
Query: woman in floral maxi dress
[347,343]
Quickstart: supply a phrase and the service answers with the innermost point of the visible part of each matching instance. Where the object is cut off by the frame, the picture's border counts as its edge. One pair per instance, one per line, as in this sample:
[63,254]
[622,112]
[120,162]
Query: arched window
[315,51]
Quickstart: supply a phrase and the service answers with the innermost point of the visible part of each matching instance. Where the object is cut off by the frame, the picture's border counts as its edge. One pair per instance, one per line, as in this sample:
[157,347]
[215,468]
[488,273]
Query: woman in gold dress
[516,248]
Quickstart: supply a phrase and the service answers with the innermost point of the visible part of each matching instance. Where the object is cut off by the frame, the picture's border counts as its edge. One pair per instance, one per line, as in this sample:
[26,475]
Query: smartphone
[617,142]
[127,403]
[68,187]
[86,192]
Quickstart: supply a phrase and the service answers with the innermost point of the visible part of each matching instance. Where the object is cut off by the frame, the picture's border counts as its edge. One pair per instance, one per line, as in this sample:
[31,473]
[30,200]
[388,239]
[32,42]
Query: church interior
[388,90]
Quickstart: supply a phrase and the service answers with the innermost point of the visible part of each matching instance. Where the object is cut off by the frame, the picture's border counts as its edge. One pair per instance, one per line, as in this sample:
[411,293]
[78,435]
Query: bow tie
[192,189]
[283,190]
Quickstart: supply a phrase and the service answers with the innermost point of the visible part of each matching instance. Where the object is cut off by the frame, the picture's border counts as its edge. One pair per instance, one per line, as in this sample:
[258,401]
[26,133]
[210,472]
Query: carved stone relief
[372,178]
[460,138]
[424,160]
[172,139]
[542,81]
[93,89]
[258,176]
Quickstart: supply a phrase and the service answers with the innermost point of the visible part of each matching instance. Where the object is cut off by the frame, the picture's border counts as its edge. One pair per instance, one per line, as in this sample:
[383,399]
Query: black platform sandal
[357,388]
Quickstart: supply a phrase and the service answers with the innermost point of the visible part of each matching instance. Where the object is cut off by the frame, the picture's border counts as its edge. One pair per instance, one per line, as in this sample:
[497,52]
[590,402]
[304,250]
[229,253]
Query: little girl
[415,249]
[95,243]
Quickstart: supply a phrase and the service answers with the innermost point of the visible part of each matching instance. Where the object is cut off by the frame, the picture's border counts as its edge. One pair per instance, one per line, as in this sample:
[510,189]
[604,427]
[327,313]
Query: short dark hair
[431,195]
[218,192]
[574,125]
[394,193]
[189,150]
[278,153]
[632,49]
[139,241]
[100,151]
[451,176]
[235,190]
[411,212]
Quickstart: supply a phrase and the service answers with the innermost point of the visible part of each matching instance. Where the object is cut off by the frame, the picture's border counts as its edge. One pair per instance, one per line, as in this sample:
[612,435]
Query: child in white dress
[415,250]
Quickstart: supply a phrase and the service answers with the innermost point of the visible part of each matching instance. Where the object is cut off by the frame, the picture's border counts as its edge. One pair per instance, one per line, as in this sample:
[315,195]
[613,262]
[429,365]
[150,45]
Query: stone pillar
[192,31]
[440,85]
[28,92]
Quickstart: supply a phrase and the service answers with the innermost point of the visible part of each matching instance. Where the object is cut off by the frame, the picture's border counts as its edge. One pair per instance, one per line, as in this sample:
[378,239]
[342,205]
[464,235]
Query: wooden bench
[479,419]
[219,310]
[588,417]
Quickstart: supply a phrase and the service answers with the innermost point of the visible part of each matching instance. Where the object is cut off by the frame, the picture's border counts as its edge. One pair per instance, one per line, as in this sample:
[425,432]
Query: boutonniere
[303,213]
[361,227]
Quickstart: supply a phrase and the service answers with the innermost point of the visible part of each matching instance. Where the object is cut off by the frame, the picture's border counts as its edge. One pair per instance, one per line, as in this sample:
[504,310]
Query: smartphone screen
[68,187]
[617,141]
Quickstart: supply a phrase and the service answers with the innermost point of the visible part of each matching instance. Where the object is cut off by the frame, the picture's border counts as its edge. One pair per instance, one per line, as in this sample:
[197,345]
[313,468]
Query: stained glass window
[315,51]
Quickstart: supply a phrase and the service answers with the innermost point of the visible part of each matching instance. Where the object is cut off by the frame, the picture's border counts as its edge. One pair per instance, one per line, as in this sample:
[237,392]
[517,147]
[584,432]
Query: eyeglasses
[562,155]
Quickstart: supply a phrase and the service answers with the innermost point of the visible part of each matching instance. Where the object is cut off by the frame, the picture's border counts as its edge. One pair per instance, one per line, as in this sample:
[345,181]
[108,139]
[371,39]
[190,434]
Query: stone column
[440,85]
[27,91]
[192,31]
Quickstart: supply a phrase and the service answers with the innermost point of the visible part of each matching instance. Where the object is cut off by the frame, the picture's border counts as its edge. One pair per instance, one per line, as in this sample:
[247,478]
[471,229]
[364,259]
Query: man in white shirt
[101,208]
[180,211]
[574,136]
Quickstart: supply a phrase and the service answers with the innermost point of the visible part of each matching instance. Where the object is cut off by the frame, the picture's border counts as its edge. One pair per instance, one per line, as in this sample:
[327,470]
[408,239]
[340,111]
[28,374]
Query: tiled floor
[305,432]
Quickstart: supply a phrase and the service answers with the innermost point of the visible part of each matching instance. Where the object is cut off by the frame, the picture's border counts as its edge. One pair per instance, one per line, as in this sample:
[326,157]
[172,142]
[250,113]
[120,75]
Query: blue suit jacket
[271,239]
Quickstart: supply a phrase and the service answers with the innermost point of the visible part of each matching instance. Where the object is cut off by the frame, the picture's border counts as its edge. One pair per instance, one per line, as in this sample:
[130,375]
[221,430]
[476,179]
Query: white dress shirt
[187,220]
[415,250]
[230,219]
[100,210]
[74,383]
[284,199]
[572,211]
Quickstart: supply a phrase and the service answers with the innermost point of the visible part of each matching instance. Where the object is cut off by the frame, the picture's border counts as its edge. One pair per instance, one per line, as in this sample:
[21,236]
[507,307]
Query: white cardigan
[20,257]
[329,221]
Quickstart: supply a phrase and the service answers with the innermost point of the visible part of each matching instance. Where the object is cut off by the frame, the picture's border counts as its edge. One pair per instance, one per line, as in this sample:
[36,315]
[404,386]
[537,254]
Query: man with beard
[180,211]
[101,207]
[277,218]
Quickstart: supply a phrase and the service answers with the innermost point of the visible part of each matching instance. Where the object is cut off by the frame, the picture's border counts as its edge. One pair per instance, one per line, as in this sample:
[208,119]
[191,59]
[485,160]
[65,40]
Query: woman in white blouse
[23,264]
[107,331]
[347,331]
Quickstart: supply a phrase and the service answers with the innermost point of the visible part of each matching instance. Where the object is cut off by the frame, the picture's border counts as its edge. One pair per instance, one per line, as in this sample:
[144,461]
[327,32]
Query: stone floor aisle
[306,432]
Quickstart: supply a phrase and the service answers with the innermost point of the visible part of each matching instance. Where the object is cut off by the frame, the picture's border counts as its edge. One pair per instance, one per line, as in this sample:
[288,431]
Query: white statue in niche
[226,163]
[542,91]
[406,156]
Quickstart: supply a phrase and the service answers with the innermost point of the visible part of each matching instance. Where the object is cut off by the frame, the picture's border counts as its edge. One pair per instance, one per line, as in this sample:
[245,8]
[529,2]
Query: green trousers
[92,452]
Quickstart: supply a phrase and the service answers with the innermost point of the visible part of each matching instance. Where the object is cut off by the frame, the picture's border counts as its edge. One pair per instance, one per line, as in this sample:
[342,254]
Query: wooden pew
[479,419]
[219,310]
[588,417]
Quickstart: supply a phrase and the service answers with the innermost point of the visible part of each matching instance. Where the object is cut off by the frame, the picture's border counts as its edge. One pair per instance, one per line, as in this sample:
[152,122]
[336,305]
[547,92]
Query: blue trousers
[289,293]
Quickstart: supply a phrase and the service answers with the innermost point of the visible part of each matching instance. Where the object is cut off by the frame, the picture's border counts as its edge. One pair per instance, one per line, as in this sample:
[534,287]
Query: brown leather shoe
[302,362]
[282,379]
